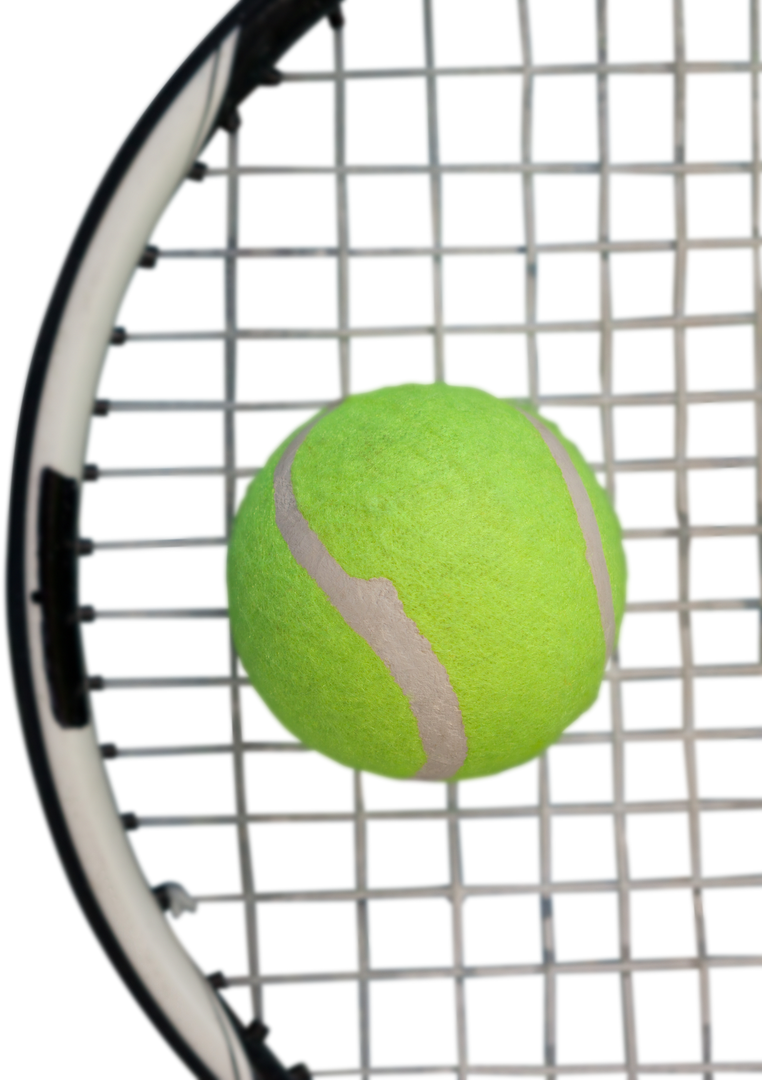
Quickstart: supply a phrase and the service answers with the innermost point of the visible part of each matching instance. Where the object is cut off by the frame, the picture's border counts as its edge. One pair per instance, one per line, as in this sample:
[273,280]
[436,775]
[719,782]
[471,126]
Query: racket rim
[305,14]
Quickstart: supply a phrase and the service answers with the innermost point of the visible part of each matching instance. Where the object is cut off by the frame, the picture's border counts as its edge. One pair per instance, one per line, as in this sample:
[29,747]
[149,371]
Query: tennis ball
[426,581]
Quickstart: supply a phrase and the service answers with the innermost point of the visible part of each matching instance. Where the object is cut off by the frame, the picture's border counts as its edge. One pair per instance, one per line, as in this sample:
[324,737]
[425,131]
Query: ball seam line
[588,523]
[373,609]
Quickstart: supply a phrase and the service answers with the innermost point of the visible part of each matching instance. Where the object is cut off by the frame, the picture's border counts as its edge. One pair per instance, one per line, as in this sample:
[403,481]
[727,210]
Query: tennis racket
[549,200]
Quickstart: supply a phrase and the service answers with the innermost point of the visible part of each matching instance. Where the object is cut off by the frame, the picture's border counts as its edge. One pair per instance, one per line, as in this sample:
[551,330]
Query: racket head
[747,804]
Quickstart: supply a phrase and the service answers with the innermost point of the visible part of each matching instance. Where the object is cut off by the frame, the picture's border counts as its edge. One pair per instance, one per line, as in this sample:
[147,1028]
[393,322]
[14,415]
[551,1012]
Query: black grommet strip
[149,258]
[118,335]
[130,822]
[90,472]
[101,407]
[109,751]
[198,170]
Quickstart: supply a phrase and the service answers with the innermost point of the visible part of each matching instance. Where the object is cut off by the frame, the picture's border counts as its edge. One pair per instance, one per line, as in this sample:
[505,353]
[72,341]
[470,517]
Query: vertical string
[527,178]
[456,899]
[435,187]
[342,206]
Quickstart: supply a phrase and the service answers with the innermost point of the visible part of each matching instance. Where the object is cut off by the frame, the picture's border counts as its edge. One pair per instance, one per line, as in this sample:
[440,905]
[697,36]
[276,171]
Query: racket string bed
[343,332]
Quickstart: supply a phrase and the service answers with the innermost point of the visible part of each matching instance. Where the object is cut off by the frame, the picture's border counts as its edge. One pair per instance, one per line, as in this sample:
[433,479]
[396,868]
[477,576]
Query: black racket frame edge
[267,29]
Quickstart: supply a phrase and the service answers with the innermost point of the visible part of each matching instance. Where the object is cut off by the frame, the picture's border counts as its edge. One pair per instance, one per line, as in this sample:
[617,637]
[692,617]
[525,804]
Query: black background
[81,73]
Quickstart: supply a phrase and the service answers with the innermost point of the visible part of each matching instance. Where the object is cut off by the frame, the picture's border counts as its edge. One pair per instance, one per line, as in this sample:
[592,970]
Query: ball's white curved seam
[588,523]
[374,610]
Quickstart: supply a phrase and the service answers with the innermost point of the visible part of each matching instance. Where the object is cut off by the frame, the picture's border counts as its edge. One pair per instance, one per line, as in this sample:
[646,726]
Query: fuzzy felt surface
[453,496]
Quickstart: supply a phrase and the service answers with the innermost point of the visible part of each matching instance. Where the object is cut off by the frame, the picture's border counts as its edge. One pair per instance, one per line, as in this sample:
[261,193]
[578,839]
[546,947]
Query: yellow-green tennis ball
[426,581]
